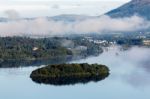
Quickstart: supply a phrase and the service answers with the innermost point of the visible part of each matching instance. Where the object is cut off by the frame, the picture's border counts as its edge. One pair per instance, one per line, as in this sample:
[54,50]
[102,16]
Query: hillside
[134,7]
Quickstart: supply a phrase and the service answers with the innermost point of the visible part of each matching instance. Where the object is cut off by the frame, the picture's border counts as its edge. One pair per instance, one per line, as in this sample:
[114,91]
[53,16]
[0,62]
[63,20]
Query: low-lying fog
[47,26]
[132,65]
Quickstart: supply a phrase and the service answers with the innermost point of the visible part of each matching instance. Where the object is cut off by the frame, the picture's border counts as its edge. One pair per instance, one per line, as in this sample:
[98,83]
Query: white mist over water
[132,65]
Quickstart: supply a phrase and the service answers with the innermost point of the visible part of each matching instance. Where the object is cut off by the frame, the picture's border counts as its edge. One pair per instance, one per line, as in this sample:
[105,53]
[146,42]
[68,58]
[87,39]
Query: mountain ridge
[134,7]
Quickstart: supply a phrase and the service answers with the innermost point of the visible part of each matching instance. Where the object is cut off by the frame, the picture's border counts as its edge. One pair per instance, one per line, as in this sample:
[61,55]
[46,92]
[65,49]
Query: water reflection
[27,63]
[69,80]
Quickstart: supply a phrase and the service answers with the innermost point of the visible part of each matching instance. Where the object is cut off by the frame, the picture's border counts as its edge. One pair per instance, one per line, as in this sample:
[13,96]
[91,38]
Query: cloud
[12,14]
[55,6]
[44,26]
[105,23]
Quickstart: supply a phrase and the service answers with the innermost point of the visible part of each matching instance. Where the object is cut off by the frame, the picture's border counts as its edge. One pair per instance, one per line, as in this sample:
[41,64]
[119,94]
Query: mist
[12,14]
[43,26]
[130,66]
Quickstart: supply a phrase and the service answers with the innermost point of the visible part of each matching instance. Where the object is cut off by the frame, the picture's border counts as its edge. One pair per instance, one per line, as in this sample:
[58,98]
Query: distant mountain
[134,7]
[63,17]
[69,17]
[3,19]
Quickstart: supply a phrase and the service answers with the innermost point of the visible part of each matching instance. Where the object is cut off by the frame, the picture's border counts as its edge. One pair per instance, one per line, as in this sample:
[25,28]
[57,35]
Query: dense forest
[25,48]
[69,73]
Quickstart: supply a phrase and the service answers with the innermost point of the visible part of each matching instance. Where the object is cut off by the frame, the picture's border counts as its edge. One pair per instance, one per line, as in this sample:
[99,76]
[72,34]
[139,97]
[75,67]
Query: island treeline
[63,74]
[25,48]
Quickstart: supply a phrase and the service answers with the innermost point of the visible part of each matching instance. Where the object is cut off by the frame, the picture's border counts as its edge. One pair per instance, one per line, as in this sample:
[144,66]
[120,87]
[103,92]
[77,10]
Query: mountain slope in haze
[70,17]
[134,7]
[63,17]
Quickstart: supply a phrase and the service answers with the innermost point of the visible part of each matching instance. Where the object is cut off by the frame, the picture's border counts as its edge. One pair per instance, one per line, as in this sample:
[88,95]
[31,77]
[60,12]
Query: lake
[129,79]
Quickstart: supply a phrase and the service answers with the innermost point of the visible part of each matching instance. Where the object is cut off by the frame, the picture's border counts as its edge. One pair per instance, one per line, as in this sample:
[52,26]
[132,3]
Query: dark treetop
[23,48]
[63,74]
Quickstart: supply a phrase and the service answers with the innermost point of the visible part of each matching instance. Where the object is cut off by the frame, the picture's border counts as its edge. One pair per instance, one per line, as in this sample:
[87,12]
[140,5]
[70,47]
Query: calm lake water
[129,79]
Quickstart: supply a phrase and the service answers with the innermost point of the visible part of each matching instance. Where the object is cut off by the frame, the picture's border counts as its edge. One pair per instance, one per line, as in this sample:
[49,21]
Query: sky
[40,8]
